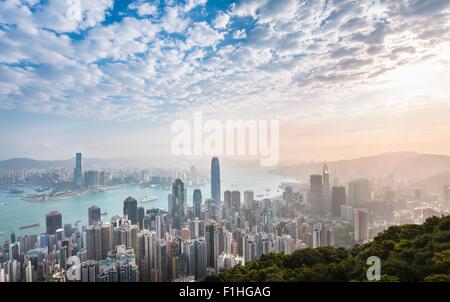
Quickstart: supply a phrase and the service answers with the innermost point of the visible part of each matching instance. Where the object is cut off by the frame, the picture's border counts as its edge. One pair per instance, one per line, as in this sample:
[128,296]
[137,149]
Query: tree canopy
[408,253]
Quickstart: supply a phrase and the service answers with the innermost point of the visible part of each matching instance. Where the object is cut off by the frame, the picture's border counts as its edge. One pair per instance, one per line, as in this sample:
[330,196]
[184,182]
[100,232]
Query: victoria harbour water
[15,212]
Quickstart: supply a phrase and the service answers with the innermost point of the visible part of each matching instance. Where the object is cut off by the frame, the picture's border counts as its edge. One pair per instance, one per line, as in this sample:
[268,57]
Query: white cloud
[201,34]
[191,4]
[144,9]
[173,21]
[221,20]
[239,34]
[248,7]
[298,55]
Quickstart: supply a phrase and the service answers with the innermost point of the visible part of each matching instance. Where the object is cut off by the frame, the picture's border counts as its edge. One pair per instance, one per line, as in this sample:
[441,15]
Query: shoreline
[36,198]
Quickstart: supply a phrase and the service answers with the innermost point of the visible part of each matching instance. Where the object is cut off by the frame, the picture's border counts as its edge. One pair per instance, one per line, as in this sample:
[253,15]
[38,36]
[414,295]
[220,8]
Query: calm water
[18,213]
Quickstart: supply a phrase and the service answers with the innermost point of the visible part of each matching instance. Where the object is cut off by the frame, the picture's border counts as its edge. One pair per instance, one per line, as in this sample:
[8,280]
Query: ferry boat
[104,213]
[29,226]
[149,199]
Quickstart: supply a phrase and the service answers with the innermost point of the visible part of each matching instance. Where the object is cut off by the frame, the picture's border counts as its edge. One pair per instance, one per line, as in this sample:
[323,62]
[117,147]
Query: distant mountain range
[118,163]
[403,165]
[28,163]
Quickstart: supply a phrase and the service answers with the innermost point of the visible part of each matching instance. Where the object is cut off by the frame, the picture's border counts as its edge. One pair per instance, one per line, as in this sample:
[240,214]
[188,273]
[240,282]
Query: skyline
[195,241]
[344,80]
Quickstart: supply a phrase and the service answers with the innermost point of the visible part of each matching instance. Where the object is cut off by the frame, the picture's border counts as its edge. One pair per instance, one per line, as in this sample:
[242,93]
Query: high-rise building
[447,195]
[130,209]
[418,196]
[98,241]
[227,261]
[347,213]
[107,239]
[249,197]
[326,188]
[94,214]
[235,200]
[361,222]
[102,179]
[91,179]
[337,200]
[53,221]
[78,172]
[140,217]
[178,203]
[215,184]
[359,191]
[200,258]
[316,200]
[197,202]
[288,193]
[209,237]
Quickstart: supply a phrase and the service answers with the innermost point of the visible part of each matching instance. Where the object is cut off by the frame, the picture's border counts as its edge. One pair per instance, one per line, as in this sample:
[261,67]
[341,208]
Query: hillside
[27,163]
[404,165]
[408,253]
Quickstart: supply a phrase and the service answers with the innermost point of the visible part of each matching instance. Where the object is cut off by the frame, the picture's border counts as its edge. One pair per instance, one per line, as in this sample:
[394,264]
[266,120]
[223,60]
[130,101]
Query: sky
[344,78]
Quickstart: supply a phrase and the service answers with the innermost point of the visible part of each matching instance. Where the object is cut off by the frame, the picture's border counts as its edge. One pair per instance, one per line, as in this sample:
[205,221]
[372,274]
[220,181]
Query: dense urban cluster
[407,253]
[193,242]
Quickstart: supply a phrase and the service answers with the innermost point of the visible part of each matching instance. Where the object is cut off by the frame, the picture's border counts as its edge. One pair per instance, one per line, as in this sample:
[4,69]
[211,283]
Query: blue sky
[345,78]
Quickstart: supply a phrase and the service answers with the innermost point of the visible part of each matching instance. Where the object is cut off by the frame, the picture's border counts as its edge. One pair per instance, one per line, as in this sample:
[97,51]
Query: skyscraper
[201,251]
[359,191]
[197,202]
[418,195]
[178,202]
[215,184]
[235,200]
[91,179]
[447,194]
[249,197]
[316,196]
[326,188]
[94,214]
[337,200]
[361,221]
[140,217]
[53,221]
[78,172]
[130,209]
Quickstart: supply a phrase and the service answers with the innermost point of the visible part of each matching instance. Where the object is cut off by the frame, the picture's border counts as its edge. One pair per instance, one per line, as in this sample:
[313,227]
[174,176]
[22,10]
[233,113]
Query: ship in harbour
[149,199]
[29,226]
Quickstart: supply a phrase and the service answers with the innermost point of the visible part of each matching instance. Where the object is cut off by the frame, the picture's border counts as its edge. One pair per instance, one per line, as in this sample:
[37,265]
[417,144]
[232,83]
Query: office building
[337,200]
[316,200]
[78,172]
[94,215]
[359,192]
[178,203]
[361,222]
[197,203]
[215,184]
[53,221]
[249,197]
[130,209]
[326,189]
